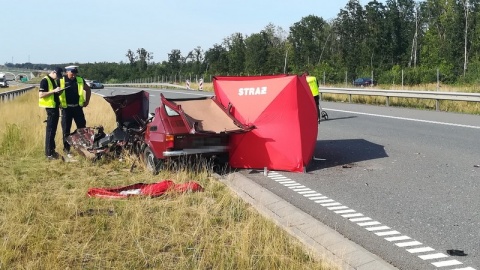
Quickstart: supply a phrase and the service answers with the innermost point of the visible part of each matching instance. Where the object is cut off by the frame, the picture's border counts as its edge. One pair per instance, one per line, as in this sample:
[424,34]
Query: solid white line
[446,263]
[387,233]
[408,119]
[433,256]
[418,250]
[397,238]
[407,244]
[466,268]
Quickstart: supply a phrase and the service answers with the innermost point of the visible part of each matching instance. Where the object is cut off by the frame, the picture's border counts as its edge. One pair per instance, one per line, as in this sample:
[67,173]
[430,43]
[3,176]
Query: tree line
[413,41]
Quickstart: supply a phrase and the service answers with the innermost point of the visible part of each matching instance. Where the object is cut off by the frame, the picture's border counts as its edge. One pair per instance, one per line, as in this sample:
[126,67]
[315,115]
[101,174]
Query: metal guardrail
[145,85]
[5,96]
[437,96]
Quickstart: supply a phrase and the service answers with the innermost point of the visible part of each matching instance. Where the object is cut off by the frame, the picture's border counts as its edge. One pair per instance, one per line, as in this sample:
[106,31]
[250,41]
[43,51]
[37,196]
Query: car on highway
[364,82]
[95,84]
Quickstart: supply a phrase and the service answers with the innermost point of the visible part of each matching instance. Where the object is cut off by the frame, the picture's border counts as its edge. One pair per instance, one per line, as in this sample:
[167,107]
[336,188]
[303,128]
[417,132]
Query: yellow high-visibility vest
[312,82]
[81,99]
[48,101]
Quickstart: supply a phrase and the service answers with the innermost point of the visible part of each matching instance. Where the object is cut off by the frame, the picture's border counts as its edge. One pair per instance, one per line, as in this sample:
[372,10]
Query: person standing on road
[49,98]
[313,84]
[72,101]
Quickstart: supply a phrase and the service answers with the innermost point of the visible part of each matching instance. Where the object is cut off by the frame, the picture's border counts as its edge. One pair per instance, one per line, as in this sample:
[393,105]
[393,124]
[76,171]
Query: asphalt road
[402,183]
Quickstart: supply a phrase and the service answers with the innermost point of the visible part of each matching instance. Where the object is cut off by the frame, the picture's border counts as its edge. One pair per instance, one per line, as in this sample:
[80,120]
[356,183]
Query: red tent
[282,109]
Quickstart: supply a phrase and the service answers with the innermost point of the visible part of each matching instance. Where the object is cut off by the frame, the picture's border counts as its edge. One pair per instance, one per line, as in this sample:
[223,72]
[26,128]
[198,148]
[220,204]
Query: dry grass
[48,222]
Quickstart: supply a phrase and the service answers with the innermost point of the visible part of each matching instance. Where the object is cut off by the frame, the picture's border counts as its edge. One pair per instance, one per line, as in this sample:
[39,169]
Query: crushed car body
[178,127]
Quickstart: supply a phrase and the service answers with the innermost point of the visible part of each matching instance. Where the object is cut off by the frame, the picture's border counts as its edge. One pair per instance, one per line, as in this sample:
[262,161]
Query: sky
[92,31]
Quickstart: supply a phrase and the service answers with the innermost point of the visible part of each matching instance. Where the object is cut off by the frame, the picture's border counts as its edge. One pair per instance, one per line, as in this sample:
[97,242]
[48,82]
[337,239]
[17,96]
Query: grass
[48,222]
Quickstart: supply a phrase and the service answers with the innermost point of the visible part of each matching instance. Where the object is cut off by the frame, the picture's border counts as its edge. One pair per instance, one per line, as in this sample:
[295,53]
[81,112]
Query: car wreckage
[176,128]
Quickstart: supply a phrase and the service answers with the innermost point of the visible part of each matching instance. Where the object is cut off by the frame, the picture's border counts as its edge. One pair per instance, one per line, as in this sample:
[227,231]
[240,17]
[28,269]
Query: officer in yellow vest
[75,97]
[49,98]
[313,83]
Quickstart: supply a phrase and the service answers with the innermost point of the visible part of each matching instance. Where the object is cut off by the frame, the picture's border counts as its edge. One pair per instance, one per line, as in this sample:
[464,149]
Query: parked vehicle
[364,82]
[177,128]
[3,80]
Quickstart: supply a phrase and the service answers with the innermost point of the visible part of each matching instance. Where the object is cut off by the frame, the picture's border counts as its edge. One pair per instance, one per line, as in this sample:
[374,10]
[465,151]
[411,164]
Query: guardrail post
[437,105]
[388,101]
[349,98]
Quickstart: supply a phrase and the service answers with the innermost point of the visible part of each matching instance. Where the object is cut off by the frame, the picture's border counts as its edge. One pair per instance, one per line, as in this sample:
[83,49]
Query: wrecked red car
[177,128]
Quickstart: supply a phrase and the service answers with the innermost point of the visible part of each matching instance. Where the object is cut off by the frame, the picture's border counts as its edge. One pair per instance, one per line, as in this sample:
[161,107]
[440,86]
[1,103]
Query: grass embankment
[48,222]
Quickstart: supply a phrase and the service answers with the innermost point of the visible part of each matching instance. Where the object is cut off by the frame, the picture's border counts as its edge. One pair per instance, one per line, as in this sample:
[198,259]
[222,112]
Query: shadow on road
[331,153]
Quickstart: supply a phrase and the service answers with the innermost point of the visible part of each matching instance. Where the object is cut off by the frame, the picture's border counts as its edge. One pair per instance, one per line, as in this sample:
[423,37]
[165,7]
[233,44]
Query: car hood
[205,115]
[130,110]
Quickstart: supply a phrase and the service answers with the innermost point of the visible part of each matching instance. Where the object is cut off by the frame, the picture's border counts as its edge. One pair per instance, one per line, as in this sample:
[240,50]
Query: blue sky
[55,32]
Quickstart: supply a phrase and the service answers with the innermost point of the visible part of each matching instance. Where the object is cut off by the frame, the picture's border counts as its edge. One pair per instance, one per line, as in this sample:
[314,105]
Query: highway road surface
[402,183]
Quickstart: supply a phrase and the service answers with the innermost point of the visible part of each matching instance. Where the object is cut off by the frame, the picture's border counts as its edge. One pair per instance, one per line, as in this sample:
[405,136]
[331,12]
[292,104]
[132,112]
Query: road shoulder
[323,242]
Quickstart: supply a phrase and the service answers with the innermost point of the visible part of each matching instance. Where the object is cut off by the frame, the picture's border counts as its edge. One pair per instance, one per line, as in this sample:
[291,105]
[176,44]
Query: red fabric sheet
[141,189]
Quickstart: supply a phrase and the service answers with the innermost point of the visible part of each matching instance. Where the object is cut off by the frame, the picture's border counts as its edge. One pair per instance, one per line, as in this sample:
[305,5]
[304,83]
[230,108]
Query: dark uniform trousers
[53,115]
[69,114]
[317,103]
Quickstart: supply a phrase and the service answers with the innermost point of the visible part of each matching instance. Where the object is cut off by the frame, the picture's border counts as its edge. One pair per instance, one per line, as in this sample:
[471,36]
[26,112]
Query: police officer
[73,100]
[313,84]
[49,98]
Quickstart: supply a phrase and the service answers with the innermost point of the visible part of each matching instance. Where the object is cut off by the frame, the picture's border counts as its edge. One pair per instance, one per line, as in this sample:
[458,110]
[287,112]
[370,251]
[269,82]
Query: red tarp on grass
[282,109]
[141,189]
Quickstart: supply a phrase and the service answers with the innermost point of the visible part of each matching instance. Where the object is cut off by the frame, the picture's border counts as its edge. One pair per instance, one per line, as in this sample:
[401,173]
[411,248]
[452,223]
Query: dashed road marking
[398,239]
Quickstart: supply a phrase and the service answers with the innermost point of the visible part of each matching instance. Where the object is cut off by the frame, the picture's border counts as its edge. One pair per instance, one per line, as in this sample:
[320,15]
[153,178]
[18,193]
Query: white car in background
[94,84]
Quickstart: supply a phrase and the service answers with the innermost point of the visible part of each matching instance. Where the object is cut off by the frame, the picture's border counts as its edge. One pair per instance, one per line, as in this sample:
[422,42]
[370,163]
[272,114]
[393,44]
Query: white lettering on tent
[252,91]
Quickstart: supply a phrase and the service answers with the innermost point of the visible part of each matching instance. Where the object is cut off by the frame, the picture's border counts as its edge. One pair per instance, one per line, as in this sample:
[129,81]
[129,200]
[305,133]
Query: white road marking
[419,250]
[324,201]
[397,238]
[363,224]
[446,263]
[297,187]
[379,228]
[352,215]
[337,208]
[433,256]
[344,211]
[387,233]
[408,244]
[407,119]
[330,204]
[360,219]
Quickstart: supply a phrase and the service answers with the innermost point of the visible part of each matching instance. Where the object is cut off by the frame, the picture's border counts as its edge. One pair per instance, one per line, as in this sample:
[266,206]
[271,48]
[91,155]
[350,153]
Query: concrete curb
[323,242]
